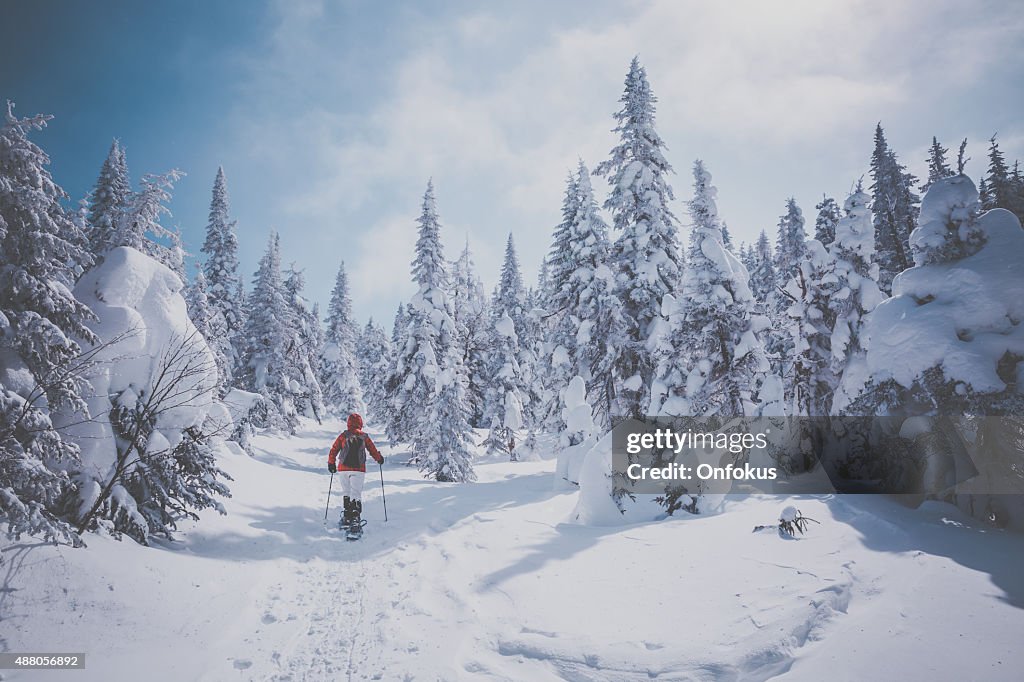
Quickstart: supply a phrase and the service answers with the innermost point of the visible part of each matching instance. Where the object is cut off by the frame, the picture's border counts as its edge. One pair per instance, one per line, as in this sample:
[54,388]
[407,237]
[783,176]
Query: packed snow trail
[491,581]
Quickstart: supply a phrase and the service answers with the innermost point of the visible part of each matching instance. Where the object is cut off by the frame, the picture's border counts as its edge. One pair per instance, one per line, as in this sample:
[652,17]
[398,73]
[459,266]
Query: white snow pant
[352,484]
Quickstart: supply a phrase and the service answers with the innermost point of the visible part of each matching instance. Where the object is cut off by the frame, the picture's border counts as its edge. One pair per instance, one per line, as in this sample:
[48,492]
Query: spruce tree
[429,403]
[587,329]
[713,361]
[810,376]
[373,353]
[789,244]
[221,267]
[390,413]
[829,214]
[894,206]
[264,364]
[510,295]
[304,348]
[938,167]
[646,256]
[561,298]
[749,259]
[210,323]
[139,225]
[109,199]
[511,298]
[506,391]
[343,391]
[40,320]
[1002,187]
[853,292]
[763,277]
[727,239]
[471,315]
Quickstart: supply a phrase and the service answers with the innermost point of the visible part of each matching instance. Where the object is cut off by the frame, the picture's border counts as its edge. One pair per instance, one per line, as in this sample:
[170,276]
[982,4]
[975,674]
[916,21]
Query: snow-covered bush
[248,411]
[146,456]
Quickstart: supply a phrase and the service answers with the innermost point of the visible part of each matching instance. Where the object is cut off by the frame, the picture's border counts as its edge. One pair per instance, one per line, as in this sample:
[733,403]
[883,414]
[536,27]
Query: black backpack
[353,455]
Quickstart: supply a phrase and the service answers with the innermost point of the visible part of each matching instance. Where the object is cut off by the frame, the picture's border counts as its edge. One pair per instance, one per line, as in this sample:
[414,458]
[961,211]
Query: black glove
[331,467]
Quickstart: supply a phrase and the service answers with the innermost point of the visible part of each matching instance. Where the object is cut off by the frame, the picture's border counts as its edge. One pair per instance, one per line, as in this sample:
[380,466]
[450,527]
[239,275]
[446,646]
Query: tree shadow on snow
[939,530]
[273,459]
[16,565]
[569,540]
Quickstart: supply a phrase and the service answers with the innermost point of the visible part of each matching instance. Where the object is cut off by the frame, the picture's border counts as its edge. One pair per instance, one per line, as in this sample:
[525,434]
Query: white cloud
[773,95]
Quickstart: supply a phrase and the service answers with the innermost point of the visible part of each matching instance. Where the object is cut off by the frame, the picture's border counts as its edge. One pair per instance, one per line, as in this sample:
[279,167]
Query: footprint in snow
[269,618]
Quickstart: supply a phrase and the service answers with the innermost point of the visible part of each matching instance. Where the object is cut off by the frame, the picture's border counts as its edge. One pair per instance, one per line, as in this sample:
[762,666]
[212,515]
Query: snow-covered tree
[646,257]
[561,295]
[264,364]
[763,277]
[373,353]
[713,360]
[748,258]
[304,348]
[789,244]
[938,167]
[109,199]
[948,343]
[429,402]
[221,268]
[138,225]
[506,390]
[343,391]
[510,299]
[727,239]
[210,323]
[894,206]
[810,376]
[1003,187]
[391,412]
[41,361]
[853,293]
[471,315]
[587,328]
[825,224]
[176,254]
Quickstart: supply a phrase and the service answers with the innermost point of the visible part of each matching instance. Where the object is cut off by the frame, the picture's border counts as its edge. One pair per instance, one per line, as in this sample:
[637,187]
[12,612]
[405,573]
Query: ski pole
[383,499]
[328,497]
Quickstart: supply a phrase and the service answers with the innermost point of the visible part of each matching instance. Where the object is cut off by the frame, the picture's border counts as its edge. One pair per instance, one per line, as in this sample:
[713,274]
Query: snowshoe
[355,530]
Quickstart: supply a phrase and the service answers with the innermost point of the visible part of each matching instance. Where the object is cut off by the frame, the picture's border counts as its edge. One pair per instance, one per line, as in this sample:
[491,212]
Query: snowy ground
[490,581]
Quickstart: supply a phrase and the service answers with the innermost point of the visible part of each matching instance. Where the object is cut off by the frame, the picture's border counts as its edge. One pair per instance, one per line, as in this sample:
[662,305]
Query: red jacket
[355,428]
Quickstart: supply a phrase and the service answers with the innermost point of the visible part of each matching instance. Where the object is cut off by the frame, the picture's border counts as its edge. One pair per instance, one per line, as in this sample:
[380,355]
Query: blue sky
[330,116]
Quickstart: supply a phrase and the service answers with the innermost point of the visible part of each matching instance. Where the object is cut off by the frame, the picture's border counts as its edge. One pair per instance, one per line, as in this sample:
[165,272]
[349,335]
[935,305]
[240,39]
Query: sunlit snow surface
[494,581]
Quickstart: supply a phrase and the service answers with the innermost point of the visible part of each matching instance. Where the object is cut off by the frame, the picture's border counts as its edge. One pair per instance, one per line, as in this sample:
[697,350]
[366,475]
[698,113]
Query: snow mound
[142,317]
